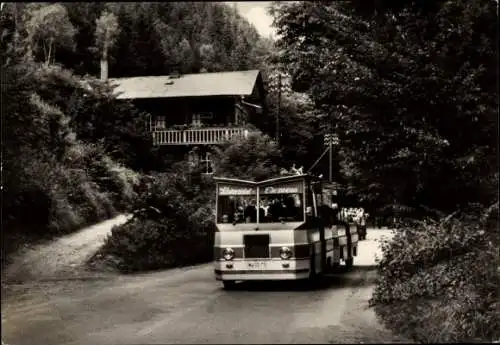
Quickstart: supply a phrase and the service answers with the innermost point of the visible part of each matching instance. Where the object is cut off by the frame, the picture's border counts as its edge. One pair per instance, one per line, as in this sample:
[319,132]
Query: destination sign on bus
[236,190]
[280,190]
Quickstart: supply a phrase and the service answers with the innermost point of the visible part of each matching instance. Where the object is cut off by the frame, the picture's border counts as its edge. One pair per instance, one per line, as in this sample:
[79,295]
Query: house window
[207,164]
[196,120]
[160,122]
[199,118]
[206,116]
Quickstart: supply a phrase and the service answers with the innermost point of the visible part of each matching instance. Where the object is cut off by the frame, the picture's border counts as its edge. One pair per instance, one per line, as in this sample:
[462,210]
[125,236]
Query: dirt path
[63,257]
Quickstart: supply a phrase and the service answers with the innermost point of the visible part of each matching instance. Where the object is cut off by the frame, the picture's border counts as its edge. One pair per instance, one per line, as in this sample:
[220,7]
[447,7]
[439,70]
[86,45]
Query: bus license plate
[257,265]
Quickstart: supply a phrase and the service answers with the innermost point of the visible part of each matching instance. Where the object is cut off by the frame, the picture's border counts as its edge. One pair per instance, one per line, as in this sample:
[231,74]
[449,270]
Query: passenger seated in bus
[251,212]
[238,215]
[264,210]
[264,206]
[276,210]
[290,209]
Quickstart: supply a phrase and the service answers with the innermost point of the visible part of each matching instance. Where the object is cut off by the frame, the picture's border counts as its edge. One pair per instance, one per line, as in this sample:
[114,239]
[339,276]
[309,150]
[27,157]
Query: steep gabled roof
[238,83]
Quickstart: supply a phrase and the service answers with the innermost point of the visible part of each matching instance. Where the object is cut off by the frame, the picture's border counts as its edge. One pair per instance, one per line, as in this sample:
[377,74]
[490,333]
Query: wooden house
[197,109]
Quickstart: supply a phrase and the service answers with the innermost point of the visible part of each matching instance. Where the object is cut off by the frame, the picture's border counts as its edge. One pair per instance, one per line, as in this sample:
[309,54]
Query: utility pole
[331,158]
[331,140]
[328,142]
[330,130]
[279,109]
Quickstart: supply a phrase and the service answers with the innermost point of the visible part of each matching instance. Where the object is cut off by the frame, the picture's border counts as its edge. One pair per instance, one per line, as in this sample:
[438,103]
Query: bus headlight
[285,253]
[228,254]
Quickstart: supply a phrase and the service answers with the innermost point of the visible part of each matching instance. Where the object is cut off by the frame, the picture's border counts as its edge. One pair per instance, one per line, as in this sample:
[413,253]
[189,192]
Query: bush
[438,281]
[116,180]
[178,231]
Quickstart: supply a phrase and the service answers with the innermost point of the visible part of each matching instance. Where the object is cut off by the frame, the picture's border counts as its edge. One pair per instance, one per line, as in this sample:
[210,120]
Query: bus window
[309,202]
[327,199]
[237,209]
[319,199]
[277,207]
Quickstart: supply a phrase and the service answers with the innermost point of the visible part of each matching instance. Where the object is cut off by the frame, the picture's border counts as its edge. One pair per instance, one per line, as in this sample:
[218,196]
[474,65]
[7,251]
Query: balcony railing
[200,136]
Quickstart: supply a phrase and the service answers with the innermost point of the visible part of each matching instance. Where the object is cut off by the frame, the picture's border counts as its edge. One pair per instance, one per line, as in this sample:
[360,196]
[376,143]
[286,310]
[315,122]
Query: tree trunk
[49,55]
[45,54]
[104,64]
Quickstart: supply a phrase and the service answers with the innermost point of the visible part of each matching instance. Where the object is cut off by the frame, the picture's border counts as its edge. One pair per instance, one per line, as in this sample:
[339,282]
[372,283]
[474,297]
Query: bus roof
[276,179]
[331,185]
[232,180]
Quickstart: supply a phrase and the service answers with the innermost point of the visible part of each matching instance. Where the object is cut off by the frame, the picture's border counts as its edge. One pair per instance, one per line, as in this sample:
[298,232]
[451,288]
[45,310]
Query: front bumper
[262,269]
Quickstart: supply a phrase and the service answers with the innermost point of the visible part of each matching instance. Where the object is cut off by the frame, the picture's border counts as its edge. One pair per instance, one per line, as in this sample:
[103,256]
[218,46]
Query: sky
[255,12]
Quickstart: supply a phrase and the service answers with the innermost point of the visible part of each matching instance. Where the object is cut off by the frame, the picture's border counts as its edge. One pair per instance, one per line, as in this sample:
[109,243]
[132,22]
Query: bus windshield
[281,207]
[237,204]
[281,202]
[241,203]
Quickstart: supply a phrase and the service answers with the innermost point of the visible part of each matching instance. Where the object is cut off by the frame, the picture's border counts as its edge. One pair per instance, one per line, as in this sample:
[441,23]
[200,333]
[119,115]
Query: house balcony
[198,136]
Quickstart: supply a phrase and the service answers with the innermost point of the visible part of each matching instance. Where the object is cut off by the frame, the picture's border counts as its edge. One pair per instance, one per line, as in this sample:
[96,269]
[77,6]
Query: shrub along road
[186,305]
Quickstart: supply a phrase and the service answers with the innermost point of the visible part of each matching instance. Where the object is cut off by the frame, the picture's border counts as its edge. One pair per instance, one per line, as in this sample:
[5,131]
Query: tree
[48,27]
[254,158]
[298,127]
[184,56]
[410,89]
[207,56]
[106,35]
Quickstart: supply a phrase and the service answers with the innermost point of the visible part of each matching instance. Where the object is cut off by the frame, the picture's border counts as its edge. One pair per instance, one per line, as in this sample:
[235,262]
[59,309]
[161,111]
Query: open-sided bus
[282,228]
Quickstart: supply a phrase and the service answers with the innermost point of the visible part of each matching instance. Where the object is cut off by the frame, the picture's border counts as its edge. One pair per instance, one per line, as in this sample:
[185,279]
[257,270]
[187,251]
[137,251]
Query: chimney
[104,70]
[175,74]
[104,63]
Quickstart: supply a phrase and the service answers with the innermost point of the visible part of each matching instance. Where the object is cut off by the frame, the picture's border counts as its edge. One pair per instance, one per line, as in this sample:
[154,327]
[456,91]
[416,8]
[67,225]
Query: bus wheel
[313,276]
[228,284]
[329,265]
[335,268]
[349,263]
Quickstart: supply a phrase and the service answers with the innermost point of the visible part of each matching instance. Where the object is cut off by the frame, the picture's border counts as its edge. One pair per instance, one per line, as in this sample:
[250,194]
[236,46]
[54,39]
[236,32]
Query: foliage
[174,228]
[156,38]
[49,173]
[48,27]
[107,31]
[438,281]
[256,157]
[411,90]
[300,132]
[98,117]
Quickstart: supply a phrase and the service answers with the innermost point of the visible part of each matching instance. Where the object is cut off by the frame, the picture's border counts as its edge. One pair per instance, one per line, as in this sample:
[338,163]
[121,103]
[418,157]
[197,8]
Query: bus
[284,228]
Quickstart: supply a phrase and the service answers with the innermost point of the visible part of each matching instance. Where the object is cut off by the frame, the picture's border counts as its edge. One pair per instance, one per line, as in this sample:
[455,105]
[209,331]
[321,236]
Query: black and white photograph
[250,172]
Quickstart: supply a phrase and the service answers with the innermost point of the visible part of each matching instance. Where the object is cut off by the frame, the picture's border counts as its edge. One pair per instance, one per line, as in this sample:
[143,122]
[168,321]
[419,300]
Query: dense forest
[149,38]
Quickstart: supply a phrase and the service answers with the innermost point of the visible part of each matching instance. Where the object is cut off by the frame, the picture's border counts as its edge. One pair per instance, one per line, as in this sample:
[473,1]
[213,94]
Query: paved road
[189,306]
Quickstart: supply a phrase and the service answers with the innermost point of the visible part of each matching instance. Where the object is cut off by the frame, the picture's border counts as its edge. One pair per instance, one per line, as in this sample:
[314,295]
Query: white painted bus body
[304,243]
